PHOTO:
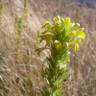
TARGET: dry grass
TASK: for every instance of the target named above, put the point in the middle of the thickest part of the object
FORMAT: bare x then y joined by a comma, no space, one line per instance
20,67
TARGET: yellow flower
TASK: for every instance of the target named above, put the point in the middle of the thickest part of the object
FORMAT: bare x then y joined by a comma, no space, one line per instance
58,45
72,34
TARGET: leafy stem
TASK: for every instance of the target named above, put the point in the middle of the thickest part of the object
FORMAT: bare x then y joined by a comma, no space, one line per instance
59,36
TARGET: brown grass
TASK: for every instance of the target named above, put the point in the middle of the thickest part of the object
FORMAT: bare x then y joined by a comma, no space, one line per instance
20,67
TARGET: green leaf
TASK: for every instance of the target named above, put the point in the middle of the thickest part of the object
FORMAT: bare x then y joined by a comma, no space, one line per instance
67,24
73,34
47,37
47,24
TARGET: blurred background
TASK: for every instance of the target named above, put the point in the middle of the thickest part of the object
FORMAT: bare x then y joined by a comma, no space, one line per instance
20,67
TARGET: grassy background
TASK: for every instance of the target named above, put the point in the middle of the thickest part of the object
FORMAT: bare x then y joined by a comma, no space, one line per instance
20,67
